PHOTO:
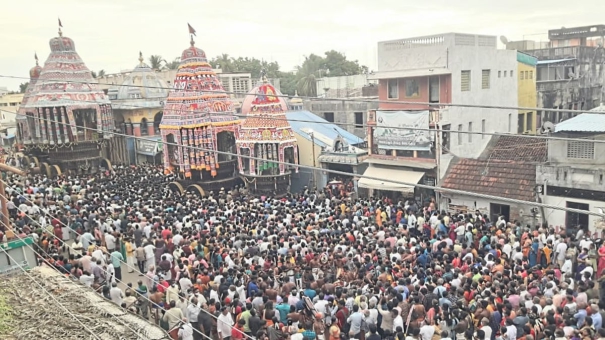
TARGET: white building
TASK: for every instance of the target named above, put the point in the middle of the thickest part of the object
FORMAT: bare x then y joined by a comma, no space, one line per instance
440,69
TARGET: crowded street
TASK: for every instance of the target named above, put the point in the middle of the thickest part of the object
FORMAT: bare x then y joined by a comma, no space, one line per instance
310,265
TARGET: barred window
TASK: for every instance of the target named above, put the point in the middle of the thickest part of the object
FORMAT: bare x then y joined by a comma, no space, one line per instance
580,150
465,81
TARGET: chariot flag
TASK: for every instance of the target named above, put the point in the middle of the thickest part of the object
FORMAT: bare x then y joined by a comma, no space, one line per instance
191,30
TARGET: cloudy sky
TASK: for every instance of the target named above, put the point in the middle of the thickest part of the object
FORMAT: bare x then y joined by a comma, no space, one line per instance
109,34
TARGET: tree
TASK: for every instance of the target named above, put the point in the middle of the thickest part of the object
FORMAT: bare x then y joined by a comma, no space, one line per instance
101,73
173,65
288,83
93,74
338,65
224,62
23,87
155,61
307,75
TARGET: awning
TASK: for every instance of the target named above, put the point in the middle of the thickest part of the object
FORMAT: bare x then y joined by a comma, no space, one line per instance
398,175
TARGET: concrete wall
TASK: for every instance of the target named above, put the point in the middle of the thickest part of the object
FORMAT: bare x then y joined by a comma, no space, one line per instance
557,151
342,87
502,92
483,205
556,218
527,96
344,112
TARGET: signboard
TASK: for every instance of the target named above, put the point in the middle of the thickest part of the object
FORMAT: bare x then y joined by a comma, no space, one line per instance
394,130
13,269
147,147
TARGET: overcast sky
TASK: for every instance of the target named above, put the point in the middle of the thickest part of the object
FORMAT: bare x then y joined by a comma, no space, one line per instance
109,34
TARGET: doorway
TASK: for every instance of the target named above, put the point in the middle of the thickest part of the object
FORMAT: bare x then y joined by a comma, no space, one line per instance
574,220
434,89
497,210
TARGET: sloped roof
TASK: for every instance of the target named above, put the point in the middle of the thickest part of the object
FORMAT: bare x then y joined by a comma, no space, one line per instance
519,148
299,120
508,169
508,179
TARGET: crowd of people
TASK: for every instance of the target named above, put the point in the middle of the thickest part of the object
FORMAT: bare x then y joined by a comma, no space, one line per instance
310,265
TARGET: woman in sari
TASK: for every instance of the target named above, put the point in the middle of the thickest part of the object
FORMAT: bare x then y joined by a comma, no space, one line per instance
601,260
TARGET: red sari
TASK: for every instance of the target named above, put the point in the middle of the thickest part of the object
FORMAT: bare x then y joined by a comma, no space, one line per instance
601,262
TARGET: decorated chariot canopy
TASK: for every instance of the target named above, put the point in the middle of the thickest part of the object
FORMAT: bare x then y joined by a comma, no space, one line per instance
197,98
266,119
34,74
64,85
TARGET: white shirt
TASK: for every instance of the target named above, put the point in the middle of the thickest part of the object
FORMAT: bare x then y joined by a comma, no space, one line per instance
149,251
186,332
223,325
561,250
87,279
110,241
116,295
427,331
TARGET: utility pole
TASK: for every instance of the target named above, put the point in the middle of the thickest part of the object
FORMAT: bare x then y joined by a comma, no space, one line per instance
3,200
313,155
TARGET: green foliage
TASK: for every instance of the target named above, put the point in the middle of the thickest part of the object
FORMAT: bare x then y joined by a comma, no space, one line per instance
174,64
23,87
155,62
304,80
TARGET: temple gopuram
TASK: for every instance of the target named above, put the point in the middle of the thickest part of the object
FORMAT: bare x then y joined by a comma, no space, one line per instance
68,119
199,119
266,134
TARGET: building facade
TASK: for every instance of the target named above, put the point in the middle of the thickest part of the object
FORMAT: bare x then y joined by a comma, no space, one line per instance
570,72
439,69
350,114
527,120
574,174
138,104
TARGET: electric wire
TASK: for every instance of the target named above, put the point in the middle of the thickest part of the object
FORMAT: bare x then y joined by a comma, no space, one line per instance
354,100
42,257
343,173
366,125
49,293
71,247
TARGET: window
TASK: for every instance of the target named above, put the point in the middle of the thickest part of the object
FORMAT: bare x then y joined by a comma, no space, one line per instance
465,81
470,130
531,74
499,74
434,89
521,75
526,74
511,73
510,121
143,127
529,121
485,75
329,116
482,128
412,89
393,89
520,123
580,150
359,120
459,134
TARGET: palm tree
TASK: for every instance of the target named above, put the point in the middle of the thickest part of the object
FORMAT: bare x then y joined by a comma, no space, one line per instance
155,61
93,74
307,86
23,87
101,73
173,65
225,63
307,80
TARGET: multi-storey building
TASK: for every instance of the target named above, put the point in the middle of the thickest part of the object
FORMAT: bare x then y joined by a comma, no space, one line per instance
570,73
439,70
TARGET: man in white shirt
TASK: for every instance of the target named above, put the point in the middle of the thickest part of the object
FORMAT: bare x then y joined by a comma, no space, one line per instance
224,324
116,294
560,253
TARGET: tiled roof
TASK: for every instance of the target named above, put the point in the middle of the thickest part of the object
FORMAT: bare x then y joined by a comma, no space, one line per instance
507,179
518,148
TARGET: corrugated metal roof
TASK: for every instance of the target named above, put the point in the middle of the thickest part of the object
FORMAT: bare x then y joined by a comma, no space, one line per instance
322,127
585,122
544,62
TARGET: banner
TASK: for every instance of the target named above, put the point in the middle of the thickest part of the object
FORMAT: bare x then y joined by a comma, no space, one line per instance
394,130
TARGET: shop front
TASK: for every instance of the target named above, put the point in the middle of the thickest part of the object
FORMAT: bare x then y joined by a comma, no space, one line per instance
380,186
149,151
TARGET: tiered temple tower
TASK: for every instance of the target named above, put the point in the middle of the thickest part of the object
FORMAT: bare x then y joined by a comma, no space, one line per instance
68,119
265,133
199,119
